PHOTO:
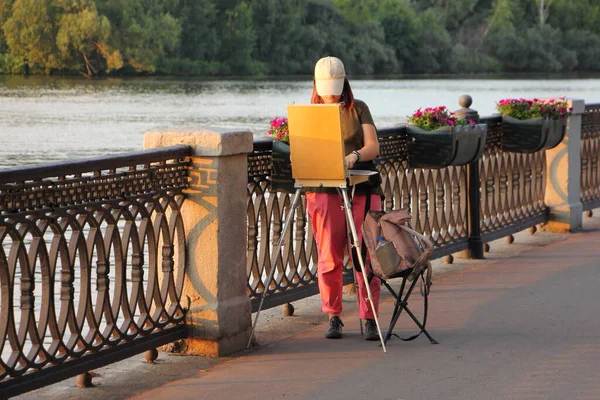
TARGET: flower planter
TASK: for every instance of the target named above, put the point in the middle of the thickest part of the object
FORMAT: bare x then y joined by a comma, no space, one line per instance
281,170
445,146
531,135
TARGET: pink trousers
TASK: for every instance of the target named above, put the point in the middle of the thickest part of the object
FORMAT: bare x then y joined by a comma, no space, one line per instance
328,220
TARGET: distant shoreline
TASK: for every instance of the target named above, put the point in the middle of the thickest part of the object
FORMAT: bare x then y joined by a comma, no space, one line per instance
308,77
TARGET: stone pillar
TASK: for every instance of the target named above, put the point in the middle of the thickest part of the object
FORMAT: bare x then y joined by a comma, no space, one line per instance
215,219
563,178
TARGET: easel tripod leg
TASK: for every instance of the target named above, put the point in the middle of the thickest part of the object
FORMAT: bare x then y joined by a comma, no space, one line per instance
356,288
274,259
350,219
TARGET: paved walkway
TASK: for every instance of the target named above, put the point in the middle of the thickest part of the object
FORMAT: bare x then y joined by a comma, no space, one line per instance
520,327
525,327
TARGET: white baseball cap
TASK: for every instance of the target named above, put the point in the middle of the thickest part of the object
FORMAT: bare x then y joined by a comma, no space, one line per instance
329,76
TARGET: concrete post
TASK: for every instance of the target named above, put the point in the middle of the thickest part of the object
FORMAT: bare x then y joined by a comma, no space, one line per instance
215,219
563,178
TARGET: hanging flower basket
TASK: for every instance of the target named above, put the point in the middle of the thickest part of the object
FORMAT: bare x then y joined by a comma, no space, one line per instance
438,138
281,169
531,135
530,125
445,146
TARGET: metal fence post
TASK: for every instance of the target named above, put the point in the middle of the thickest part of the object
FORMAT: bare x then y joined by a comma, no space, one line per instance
475,250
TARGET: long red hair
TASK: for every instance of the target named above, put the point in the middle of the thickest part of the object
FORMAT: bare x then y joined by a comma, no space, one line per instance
347,97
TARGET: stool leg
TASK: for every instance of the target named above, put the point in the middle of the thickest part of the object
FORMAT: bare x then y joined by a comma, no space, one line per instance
431,339
402,304
395,316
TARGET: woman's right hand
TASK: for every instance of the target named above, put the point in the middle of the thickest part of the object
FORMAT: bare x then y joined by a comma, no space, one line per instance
351,159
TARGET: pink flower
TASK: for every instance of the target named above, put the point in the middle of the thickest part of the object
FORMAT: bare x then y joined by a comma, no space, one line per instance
279,129
534,108
432,118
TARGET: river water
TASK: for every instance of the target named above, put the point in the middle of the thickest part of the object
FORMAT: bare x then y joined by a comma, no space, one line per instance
46,119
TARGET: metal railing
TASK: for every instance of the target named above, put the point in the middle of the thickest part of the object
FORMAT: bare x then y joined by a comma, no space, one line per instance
436,198
509,188
590,157
92,257
296,272
512,187
92,252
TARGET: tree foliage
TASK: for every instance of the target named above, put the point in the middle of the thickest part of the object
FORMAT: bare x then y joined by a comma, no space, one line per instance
82,38
286,37
30,34
238,41
143,30
5,11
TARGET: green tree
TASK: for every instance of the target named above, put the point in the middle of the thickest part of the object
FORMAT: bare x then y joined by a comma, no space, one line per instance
587,46
501,18
248,37
5,12
500,37
453,12
543,10
224,5
239,40
82,38
328,34
369,50
435,54
371,53
401,27
142,30
200,39
583,15
357,12
280,32
539,50
544,50
58,35
30,34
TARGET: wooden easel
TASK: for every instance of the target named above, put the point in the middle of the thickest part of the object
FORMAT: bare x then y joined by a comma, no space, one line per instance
317,154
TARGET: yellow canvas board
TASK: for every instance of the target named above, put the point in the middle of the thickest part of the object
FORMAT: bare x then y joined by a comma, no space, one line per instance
316,145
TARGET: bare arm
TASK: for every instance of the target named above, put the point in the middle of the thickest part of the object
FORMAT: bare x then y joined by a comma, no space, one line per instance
370,150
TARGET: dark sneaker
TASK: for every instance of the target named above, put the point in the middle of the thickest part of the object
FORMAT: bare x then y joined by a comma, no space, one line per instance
371,330
335,328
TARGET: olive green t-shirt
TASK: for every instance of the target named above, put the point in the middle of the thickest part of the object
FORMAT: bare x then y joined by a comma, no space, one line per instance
351,122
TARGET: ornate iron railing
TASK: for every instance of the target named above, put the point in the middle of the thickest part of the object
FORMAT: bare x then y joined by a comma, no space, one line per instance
266,214
512,185
92,257
510,191
436,198
590,155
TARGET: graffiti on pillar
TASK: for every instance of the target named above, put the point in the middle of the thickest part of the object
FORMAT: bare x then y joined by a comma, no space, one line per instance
203,177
